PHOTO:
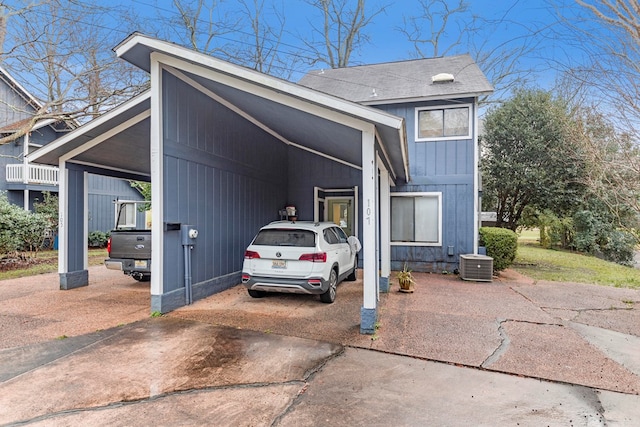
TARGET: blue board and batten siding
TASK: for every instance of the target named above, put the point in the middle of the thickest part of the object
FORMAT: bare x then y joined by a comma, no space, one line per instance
102,192
308,170
445,167
13,107
224,176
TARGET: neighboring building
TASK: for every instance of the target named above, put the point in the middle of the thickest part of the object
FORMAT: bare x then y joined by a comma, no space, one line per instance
434,216
382,150
24,183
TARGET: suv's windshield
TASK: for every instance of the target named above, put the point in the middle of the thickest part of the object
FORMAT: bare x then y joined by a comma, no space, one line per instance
278,237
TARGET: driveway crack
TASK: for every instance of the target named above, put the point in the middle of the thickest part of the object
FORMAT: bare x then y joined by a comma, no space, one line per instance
502,347
307,380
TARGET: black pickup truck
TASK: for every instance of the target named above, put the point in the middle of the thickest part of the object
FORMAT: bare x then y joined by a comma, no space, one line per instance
129,249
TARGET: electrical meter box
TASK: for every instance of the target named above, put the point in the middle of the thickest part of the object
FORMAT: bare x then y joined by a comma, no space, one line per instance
188,235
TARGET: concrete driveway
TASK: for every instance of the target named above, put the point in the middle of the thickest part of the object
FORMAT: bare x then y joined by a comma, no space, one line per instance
510,352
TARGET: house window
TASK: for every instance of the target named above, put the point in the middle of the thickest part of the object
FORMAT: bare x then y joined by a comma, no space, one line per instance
127,216
443,123
416,219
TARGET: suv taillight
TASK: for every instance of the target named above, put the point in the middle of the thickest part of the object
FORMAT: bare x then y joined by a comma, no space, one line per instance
251,255
109,246
315,257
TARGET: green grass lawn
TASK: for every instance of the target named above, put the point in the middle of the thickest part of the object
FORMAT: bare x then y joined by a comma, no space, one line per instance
563,266
47,262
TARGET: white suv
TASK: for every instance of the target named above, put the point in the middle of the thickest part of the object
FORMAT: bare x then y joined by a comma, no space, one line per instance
300,257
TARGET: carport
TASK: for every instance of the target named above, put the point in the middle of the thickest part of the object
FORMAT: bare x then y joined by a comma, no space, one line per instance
225,149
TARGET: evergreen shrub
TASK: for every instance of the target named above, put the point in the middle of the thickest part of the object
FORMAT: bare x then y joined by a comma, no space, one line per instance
501,245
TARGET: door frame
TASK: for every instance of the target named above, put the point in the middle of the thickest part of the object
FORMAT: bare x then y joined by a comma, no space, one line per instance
351,199
322,195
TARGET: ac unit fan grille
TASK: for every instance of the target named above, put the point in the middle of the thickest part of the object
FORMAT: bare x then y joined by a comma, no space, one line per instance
477,268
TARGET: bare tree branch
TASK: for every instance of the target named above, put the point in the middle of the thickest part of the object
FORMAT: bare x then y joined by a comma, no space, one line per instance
441,27
427,30
202,25
342,32
62,53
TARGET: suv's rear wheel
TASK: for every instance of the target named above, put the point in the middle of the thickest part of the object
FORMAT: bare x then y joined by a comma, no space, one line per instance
330,296
256,294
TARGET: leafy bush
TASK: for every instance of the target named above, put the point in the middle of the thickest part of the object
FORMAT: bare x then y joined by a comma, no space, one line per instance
48,207
501,245
620,247
20,229
98,239
31,228
9,241
595,236
587,228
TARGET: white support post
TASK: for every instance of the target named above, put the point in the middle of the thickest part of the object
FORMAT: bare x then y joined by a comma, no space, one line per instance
368,314
476,176
157,213
63,239
25,171
385,229
86,220
316,210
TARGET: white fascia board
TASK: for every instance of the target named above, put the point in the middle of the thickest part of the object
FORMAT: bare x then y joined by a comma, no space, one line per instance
385,154
43,123
270,85
427,98
25,93
107,168
89,126
313,103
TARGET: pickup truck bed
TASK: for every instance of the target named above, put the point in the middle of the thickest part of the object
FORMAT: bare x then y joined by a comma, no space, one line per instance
130,252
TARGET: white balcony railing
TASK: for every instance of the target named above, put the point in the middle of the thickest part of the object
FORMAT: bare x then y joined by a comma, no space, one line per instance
36,174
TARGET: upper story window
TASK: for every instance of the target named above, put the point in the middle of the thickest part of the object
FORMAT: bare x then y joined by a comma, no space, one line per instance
437,123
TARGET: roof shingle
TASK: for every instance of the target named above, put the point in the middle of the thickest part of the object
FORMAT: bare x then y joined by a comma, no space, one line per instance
401,81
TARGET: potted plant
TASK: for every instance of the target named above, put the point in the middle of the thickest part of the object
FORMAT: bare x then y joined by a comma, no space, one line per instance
405,279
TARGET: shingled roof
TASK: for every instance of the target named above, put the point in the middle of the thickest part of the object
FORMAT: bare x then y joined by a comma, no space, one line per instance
403,81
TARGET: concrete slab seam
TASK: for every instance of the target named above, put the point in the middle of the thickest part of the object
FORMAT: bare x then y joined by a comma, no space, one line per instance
578,311
480,368
82,348
309,375
302,383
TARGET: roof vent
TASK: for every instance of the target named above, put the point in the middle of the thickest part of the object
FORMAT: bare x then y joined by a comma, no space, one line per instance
374,94
443,78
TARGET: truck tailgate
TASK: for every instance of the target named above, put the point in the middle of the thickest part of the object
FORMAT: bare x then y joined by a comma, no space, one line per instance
134,244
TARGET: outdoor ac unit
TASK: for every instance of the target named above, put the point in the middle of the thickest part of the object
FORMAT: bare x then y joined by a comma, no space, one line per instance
478,268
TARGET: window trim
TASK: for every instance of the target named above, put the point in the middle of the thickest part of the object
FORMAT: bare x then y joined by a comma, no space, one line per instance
437,194
442,138
129,222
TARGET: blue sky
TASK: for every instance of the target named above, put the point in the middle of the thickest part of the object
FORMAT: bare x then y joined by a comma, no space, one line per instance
506,21
502,25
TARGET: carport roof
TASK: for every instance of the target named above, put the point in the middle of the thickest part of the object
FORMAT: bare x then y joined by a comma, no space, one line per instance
118,139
